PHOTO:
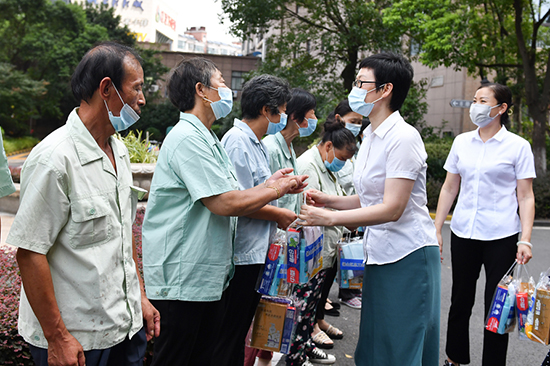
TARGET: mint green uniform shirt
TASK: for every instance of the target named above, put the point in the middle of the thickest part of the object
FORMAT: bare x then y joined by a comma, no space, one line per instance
6,184
188,250
280,156
78,211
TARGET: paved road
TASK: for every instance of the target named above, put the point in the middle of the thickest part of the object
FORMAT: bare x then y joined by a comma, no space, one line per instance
520,353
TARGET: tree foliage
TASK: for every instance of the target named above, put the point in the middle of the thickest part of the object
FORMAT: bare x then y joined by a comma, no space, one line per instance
317,44
44,41
19,95
505,38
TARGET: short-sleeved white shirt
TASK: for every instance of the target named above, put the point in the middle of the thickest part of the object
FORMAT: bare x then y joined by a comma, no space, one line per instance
487,203
394,150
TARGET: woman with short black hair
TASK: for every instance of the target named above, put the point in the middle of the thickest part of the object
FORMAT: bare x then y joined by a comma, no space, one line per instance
189,225
400,245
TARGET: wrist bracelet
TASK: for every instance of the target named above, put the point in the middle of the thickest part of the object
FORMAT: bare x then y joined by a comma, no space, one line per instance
276,190
525,243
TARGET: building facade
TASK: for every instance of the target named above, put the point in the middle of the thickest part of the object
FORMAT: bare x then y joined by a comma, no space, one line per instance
152,21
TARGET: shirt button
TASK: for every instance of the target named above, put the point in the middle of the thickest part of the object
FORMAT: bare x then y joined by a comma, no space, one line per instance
92,211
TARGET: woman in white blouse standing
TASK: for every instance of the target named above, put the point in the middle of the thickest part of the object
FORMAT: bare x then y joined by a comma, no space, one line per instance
493,169
401,286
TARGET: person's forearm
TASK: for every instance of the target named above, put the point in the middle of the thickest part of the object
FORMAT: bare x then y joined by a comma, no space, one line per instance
527,217
444,204
344,202
268,212
38,286
241,203
365,216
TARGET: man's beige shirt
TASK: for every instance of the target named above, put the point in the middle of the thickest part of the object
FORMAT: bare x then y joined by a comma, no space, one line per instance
78,211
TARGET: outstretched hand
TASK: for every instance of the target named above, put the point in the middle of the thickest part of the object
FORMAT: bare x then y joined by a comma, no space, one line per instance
287,183
316,198
314,216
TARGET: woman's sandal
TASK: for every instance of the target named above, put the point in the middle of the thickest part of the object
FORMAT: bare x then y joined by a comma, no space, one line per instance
334,332
331,310
322,340
334,304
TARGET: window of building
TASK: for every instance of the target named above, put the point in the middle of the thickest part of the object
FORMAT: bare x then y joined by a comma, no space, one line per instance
211,50
199,48
181,45
237,80
437,81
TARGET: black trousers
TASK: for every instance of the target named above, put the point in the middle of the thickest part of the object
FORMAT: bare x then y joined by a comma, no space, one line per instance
467,256
186,331
129,352
330,275
240,301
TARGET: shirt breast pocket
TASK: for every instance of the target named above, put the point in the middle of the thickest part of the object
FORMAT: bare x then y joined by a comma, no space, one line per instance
90,223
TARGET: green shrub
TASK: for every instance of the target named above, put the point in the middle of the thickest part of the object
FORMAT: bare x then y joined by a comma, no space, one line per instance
140,151
12,145
157,117
437,154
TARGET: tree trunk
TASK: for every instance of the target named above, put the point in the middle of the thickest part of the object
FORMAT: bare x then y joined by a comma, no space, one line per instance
536,101
540,121
349,72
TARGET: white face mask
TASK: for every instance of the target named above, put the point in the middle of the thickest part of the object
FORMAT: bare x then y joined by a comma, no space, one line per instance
480,114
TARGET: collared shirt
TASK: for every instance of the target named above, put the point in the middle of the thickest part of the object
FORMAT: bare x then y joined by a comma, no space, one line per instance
188,250
6,184
78,211
320,178
394,150
251,161
280,156
487,204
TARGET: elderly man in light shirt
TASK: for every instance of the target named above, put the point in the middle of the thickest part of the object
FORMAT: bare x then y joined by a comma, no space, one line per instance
82,301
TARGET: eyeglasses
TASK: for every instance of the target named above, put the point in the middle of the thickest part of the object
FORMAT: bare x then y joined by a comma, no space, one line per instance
359,83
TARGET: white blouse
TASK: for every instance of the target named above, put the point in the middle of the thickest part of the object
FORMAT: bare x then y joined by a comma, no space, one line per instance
394,150
487,203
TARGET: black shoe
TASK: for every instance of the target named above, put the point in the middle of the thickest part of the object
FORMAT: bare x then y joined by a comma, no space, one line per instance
332,312
447,363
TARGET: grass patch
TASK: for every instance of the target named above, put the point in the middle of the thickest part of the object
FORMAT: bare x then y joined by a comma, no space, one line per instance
12,145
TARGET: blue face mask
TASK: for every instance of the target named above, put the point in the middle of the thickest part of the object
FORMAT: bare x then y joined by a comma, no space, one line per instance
357,101
355,129
273,128
336,164
311,126
127,115
222,107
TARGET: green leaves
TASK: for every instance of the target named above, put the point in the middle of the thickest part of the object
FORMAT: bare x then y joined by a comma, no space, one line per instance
317,44
19,99
42,42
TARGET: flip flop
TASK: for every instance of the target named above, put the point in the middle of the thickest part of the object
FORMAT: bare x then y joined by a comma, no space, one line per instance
322,340
334,332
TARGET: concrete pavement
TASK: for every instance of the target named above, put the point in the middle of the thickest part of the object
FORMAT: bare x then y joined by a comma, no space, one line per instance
520,353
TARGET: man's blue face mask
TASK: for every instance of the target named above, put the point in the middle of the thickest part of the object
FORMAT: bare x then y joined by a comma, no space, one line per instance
127,115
